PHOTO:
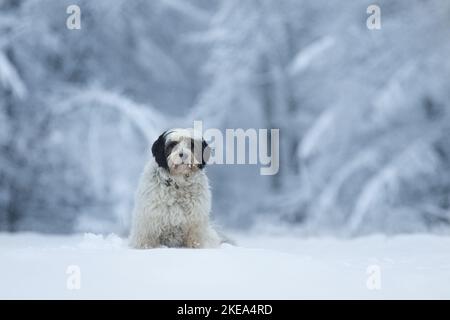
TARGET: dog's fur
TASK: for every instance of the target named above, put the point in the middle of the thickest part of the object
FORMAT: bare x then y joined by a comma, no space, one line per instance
173,200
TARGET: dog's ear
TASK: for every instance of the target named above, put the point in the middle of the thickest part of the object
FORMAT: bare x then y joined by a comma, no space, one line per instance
158,151
206,153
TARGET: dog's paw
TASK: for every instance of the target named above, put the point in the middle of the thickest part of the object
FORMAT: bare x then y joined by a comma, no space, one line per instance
193,244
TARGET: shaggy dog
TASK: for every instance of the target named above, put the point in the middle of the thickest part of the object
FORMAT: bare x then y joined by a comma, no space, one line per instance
173,200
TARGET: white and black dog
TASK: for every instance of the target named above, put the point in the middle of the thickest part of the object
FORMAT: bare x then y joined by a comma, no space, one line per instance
173,200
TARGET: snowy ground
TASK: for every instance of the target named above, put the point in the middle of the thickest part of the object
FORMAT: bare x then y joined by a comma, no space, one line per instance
262,267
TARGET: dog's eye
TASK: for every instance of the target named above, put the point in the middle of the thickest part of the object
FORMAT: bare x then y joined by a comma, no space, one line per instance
171,145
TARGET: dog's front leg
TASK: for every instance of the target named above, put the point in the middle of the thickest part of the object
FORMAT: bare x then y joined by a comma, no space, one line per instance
202,236
145,242
143,236
194,237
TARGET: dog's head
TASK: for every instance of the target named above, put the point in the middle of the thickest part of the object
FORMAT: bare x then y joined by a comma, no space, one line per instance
180,152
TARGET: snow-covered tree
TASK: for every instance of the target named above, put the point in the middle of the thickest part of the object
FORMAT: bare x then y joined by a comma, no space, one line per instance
375,157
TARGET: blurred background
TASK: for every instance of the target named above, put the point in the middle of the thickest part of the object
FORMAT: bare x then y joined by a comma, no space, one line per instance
364,115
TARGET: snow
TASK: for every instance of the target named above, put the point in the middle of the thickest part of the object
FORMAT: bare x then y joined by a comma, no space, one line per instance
318,130
9,78
261,267
305,57
188,9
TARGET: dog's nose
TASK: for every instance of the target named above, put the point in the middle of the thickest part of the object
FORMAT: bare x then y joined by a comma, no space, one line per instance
182,155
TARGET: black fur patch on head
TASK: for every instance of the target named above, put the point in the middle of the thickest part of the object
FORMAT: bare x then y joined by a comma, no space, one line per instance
158,151
206,152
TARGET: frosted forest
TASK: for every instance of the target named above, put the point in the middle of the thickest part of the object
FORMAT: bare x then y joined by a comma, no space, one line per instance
364,115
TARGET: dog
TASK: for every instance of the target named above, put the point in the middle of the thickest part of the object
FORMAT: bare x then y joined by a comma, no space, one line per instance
173,199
